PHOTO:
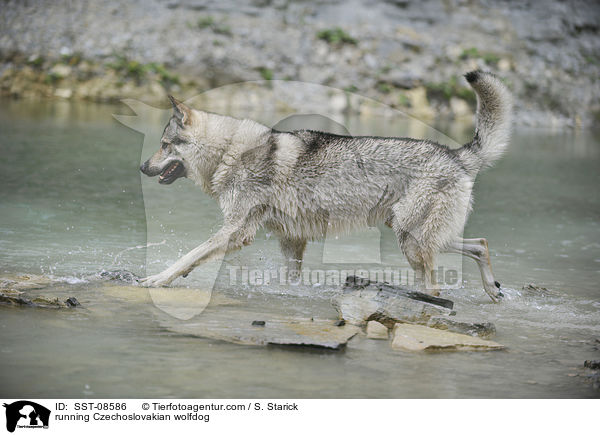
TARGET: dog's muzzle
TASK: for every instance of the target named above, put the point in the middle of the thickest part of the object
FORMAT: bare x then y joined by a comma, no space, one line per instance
171,172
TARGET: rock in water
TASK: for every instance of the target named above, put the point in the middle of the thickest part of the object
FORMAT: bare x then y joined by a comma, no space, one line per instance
180,302
17,298
119,275
235,325
24,281
364,300
376,330
417,338
592,364
483,329
536,290
72,302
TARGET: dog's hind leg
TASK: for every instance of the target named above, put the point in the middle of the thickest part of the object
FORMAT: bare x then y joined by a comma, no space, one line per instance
422,264
293,251
415,244
410,249
477,249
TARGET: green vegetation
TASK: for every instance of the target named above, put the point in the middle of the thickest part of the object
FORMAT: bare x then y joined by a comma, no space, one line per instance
403,100
138,71
449,89
470,53
265,73
71,59
384,88
208,22
336,36
167,78
52,78
491,58
351,88
36,61
385,69
473,53
129,68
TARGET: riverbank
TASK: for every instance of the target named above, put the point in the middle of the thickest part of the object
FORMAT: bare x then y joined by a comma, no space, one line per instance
410,56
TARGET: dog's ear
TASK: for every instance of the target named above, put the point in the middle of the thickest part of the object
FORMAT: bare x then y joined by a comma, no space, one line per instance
182,112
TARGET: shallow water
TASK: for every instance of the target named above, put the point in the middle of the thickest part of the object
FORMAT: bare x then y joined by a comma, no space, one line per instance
72,205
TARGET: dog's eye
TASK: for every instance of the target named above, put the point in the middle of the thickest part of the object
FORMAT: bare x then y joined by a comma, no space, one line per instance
164,145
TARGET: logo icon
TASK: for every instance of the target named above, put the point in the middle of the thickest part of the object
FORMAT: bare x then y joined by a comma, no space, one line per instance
26,414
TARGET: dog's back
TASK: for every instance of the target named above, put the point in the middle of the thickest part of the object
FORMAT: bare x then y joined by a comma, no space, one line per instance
343,182
353,181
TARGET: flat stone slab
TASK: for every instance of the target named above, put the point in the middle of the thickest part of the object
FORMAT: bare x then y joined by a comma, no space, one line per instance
218,317
247,328
418,338
363,301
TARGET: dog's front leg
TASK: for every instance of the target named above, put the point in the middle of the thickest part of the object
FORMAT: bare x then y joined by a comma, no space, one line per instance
226,240
209,249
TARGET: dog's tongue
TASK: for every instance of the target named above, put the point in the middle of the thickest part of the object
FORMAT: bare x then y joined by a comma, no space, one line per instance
169,170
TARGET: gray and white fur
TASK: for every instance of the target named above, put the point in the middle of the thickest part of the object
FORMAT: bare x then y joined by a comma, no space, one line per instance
304,185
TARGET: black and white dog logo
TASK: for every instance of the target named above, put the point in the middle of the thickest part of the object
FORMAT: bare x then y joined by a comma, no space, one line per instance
26,414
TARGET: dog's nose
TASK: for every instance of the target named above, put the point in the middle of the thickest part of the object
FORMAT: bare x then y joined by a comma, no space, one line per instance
144,167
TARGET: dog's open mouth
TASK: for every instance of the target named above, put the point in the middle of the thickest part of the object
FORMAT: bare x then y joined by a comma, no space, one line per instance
172,172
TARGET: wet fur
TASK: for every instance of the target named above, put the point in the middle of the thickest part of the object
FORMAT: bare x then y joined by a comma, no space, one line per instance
304,185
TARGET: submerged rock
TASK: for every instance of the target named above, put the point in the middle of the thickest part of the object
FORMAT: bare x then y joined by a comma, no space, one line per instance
24,281
536,290
484,329
364,300
18,298
72,302
376,330
180,302
593,375
418,338
235,325
119,275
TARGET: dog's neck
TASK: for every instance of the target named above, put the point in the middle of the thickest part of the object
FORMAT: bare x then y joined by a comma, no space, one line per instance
222,137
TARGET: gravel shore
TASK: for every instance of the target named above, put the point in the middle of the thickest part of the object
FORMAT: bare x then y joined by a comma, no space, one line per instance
408,55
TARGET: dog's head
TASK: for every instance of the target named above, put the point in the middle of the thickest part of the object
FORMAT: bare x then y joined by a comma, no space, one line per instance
177,146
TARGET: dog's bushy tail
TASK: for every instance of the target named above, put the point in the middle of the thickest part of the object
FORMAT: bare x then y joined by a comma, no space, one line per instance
494,118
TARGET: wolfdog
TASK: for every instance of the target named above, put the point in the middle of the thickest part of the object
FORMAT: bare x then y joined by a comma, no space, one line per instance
304,185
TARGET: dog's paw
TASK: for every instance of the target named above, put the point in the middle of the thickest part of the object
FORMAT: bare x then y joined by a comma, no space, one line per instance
158,280
496,297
